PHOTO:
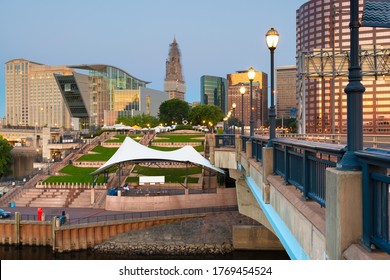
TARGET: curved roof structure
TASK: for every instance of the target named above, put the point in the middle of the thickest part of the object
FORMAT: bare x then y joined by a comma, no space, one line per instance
101,68
132,151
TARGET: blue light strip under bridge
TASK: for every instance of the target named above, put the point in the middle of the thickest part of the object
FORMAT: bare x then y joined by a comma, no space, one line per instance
290,244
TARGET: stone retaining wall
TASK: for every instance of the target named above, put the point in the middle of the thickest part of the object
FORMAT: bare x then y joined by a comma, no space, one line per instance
211,234
164,249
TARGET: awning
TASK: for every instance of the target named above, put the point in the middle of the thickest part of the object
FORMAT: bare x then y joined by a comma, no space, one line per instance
132,151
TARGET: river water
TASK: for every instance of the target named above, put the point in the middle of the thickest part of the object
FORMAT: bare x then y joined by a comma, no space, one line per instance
46,253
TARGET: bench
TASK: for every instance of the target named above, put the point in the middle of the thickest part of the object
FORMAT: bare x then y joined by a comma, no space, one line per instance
151,180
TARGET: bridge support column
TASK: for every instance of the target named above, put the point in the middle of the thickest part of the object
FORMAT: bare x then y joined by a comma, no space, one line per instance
268,169
211,142
238,148
255,238
343,211
248,156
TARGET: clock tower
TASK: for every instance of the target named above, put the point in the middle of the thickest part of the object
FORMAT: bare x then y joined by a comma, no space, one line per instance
174,83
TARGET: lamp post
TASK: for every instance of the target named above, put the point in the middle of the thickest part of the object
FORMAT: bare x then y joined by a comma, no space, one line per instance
242,91
234,105
272,38
251,77
354,91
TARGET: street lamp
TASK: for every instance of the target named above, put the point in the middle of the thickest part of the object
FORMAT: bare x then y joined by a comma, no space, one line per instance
251,77
354,91
234,105
242,91
272,38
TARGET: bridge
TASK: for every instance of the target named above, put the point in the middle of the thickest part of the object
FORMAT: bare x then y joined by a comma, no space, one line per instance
295,190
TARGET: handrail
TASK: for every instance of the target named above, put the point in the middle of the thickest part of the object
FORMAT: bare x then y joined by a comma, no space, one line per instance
303,164
225,140
376,188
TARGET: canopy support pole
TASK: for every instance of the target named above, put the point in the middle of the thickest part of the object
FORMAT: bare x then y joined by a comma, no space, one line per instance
119,175
187,175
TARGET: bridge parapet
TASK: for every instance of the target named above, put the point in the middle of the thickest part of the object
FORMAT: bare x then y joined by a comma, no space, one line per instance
306,199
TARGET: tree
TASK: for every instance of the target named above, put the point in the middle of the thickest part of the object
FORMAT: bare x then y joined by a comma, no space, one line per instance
208,115
5,157
142,120
173,111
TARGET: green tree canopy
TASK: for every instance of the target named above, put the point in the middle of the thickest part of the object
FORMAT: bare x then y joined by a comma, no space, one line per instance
208,115
142,120
5,157
173,111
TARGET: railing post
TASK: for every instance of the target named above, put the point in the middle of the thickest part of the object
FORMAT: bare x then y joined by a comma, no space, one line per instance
367,207
343,211
306,174
238,148
211,141
248,156
17,228
286,165
268,169
254,149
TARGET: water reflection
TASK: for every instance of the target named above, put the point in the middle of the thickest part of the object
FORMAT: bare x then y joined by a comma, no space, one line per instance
46,253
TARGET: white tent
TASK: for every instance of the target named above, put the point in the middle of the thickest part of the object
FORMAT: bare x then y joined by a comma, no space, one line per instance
132,151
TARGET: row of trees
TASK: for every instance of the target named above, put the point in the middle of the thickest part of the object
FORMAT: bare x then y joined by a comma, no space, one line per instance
176,111
5,157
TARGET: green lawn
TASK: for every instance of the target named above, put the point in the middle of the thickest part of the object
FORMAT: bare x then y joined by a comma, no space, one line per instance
119,138
172,175
74,174
167,137
167,149
103,154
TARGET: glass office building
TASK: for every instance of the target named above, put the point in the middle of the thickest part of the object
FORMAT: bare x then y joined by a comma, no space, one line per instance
115,79
322,30
214,91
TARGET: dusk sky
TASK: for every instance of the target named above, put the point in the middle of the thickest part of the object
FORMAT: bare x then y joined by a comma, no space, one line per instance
215,37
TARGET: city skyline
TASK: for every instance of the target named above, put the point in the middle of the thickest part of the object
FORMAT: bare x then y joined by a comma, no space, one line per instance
215,38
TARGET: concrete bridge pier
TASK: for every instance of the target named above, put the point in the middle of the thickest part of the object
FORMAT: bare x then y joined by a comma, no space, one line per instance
343,211
253,237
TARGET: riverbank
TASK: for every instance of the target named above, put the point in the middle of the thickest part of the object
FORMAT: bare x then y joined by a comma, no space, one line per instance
211,234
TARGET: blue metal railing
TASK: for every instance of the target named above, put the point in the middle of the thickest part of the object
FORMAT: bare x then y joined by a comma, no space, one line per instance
303,164
257,148
376,188
225,140
244,140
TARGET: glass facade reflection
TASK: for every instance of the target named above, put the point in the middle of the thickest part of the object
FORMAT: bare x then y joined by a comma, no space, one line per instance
214,91
115,79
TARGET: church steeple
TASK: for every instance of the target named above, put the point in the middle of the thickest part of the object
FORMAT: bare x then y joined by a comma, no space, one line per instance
174,83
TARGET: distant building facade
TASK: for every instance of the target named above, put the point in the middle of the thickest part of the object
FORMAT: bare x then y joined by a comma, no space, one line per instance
174,83
57,96
286,91
213,91
107,93
259,97
320,26
32,96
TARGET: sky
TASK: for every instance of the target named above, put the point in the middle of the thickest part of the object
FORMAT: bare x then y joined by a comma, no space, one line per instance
215,37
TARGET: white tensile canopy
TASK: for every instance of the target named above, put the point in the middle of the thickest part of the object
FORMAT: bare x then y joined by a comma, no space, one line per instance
132,151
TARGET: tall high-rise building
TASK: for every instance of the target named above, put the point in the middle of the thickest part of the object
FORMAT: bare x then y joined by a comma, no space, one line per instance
32,95
322,32
259,97
174,83
286,91
213,91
